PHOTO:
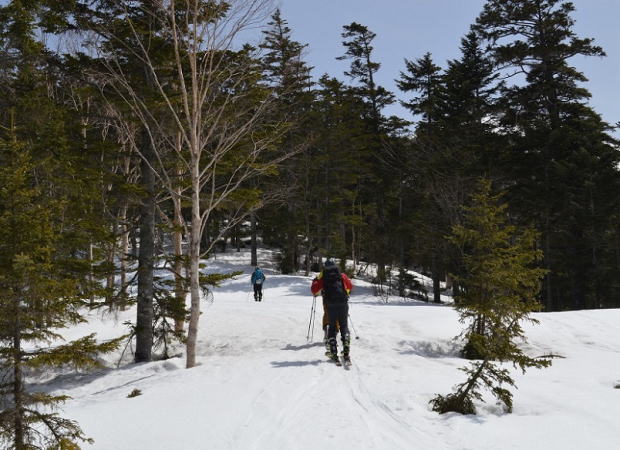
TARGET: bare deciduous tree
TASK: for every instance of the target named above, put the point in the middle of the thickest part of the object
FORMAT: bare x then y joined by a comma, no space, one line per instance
212,100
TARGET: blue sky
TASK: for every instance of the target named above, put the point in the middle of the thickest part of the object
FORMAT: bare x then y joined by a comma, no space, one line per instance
410,28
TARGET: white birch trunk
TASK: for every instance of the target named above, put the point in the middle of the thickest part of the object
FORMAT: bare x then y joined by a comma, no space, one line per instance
194,277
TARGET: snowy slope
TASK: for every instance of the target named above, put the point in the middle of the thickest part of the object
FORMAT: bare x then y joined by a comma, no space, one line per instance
261,385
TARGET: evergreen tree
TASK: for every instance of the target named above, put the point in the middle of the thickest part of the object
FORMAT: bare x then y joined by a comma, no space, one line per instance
42,289
289,76
339,170
469,87
500,285
358,42
46,276
284,67
547,117
359,51
424,77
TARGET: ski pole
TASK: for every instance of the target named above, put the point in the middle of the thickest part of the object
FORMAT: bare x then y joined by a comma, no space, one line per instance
313,319
353,328
310,321
310,324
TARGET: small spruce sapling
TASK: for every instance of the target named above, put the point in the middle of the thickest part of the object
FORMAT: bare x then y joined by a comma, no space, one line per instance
499,288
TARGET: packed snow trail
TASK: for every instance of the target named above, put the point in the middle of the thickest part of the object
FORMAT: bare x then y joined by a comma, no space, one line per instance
259,385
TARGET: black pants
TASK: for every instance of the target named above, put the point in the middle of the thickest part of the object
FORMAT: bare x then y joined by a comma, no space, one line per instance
338,314
258,292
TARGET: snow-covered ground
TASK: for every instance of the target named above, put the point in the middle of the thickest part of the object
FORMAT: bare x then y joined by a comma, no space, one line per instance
261,385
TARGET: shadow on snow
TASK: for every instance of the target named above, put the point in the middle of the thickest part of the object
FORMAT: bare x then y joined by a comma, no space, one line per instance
428,349
281,364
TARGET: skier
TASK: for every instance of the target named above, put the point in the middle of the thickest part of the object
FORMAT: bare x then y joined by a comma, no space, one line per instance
258,277
335,287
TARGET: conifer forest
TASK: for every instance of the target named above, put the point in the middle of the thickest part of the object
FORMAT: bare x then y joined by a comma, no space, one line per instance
139,138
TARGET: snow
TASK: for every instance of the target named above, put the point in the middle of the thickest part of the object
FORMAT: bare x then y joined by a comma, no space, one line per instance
260,384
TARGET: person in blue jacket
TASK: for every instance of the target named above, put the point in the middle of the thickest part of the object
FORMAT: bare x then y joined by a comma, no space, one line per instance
258,278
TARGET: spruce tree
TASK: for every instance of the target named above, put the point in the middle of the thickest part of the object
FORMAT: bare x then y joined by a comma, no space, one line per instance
424,77
546,116
42,289
358,42
339,169
286,72
499,289
48,188
359,50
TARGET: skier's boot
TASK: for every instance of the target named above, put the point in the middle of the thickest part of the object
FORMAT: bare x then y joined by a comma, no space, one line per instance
332,350
346,344
346,348
326,341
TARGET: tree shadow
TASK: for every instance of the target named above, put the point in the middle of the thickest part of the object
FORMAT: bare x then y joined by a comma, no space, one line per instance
303,347
75,379
427,349
282,364
396,301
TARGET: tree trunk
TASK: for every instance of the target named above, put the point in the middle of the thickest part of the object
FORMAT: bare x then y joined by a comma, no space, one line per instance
18,383
144,320
436,274
111,266
91,275
254,251
237,238
124,249
134,244
194,255
548,280
401,237
179,288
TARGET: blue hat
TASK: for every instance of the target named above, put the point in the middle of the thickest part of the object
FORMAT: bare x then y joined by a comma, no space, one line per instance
329,262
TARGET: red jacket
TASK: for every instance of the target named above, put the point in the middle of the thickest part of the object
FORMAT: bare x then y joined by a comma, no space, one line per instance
317,284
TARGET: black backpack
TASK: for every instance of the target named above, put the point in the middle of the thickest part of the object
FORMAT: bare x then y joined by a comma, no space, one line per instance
333,287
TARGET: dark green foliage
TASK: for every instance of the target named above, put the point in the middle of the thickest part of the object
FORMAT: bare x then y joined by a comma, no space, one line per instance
373,160
422,76
481,375
283,65
562,163
358,42
338,166
42,288
286,72
454,145
499,286
134,393
49,215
